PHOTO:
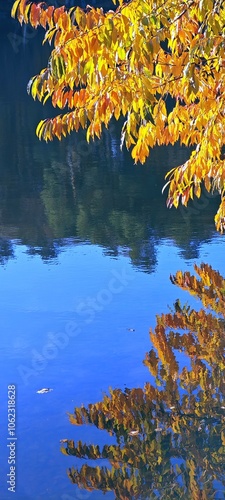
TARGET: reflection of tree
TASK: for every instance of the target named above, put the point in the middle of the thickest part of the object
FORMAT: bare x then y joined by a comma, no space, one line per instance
170,436
6,251
57,197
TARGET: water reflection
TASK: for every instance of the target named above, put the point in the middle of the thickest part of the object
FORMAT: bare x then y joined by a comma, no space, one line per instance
169,438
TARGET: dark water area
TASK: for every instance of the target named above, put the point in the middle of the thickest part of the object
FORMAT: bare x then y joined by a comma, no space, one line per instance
87,246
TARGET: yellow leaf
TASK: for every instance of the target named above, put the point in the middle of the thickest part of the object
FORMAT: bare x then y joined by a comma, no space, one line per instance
197,190
14,8
121,53
117,112
39,128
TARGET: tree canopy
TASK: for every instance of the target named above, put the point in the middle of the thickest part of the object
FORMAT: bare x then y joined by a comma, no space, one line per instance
157,65
170,436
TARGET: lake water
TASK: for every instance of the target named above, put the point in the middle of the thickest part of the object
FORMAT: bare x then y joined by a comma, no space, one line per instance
86,250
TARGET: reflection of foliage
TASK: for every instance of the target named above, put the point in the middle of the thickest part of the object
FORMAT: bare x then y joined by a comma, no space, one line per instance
170,438
6,250
57,197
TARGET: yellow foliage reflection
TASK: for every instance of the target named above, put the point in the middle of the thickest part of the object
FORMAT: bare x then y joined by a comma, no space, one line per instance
170,436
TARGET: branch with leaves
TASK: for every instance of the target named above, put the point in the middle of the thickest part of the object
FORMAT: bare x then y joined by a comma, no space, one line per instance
129,63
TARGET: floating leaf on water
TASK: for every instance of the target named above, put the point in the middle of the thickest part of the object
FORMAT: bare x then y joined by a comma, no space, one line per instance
44,390
133,433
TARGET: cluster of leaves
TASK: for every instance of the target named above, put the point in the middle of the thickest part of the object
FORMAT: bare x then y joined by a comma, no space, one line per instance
170,436
131,62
